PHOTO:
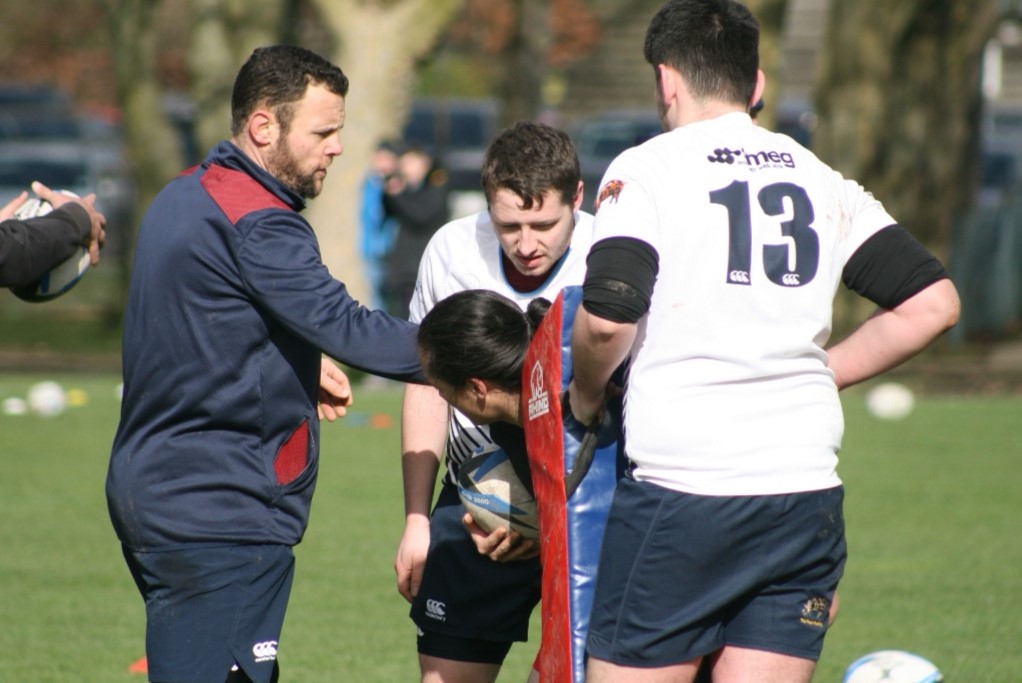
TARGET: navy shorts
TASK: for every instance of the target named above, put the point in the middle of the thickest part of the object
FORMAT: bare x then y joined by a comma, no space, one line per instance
467,602
682,575
210,608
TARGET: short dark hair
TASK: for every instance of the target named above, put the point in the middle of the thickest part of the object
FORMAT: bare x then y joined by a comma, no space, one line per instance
713,44
276,77
478,333
529,159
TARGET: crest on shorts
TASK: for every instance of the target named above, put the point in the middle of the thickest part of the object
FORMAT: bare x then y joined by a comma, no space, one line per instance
815,612
611,190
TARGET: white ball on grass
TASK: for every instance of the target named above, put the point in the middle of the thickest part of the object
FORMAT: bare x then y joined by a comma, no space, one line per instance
890,401
47,399
15,406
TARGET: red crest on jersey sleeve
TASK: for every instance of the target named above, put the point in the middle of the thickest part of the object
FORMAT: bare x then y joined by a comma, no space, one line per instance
611,190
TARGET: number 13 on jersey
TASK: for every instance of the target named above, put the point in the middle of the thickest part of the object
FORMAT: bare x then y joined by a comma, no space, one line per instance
791,264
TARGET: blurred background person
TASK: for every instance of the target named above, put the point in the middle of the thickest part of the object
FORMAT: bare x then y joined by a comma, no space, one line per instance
377,231
416,198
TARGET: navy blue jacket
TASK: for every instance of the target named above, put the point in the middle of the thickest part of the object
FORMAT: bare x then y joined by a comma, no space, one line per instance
229,308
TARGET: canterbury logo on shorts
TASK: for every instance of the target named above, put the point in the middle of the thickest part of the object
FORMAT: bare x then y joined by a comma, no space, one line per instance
265,651
436,610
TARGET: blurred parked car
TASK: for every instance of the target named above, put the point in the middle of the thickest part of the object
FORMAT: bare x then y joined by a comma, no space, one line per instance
73,165
36,111
600,138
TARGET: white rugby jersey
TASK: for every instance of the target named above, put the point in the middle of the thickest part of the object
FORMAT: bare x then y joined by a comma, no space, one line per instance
729,391
465,254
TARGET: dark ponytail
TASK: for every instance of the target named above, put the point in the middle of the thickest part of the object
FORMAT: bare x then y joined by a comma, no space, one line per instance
478,334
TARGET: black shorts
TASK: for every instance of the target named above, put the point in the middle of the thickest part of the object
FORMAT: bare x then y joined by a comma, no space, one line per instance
466,596
682,575
208,609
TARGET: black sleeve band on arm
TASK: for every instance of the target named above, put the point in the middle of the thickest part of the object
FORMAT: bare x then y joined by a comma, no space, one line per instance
620,275
891,267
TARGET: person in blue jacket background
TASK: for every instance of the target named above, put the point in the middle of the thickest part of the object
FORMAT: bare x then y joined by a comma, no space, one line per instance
377,230
229,312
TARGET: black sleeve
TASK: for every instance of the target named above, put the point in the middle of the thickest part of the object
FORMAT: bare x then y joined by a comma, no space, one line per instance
620,275
31,247
891,267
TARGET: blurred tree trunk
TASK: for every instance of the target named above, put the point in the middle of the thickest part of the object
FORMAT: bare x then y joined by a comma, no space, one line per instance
899,101
224,34
379,44
525,64
153,148
771,15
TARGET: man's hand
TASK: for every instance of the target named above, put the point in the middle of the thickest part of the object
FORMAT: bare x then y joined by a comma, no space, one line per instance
10,207
334,391
501,544
411,556
97,236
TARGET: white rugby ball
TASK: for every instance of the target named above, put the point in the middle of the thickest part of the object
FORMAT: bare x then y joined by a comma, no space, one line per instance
47,399
61,277
890,401
492,492
14,406
892,666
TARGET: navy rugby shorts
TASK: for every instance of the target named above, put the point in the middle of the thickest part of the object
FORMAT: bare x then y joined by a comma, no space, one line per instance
210,608
682,575
467,602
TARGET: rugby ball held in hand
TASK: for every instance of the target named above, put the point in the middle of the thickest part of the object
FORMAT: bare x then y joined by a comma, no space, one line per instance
892,666
61,277
495,496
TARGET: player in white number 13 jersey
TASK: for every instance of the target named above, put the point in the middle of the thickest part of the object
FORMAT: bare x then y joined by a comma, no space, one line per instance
718,249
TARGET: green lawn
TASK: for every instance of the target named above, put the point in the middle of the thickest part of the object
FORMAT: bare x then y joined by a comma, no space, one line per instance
935,551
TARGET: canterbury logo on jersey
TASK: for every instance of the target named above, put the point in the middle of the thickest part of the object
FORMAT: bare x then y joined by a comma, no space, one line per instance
265,651
754,160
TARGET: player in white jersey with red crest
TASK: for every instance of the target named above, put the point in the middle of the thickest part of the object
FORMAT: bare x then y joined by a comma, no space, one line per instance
718,252
531,242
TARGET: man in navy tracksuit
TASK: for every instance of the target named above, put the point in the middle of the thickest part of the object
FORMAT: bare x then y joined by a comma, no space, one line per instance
230,307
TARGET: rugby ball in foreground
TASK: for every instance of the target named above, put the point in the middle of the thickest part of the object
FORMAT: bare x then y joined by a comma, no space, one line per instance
494,495
892,666
890,401
61,277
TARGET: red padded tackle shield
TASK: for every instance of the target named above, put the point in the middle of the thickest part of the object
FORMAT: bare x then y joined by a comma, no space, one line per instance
571,522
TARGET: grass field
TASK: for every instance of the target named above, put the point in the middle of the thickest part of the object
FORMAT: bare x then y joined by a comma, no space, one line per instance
932,511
